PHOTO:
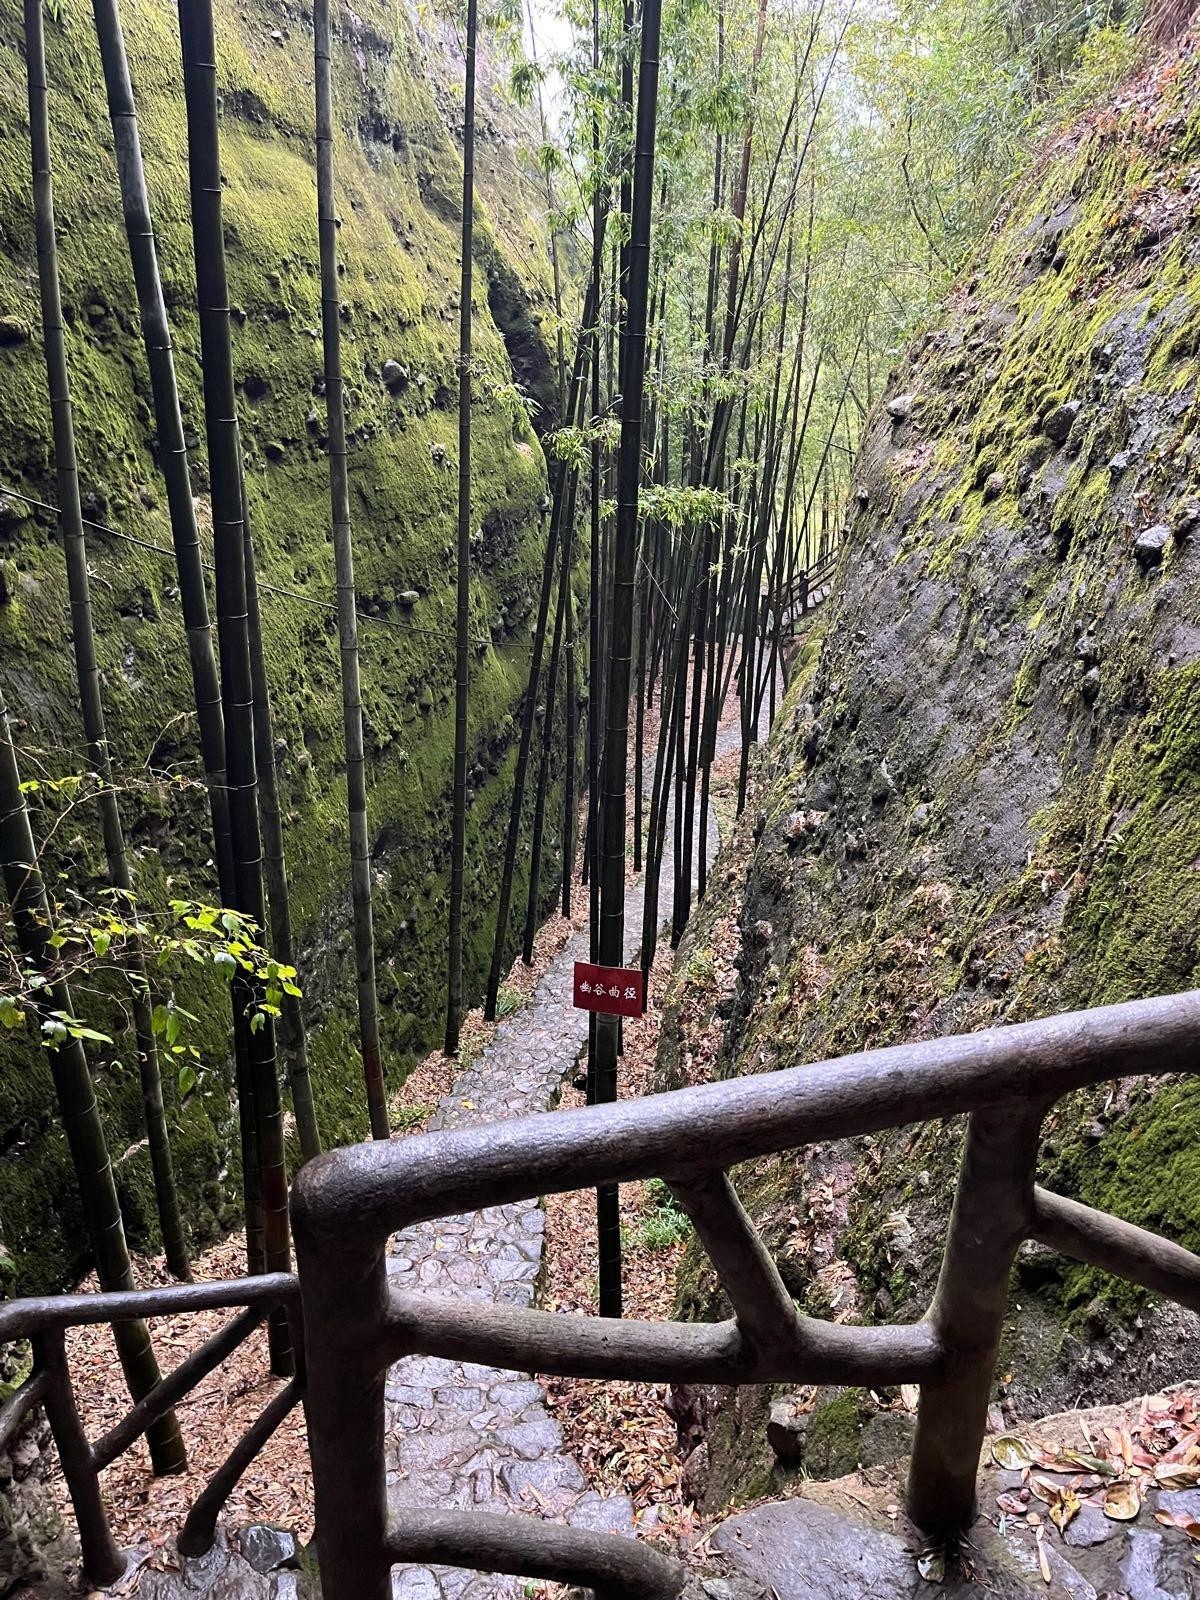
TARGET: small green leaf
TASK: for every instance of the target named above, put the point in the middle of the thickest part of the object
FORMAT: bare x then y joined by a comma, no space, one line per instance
78,1031
11,1014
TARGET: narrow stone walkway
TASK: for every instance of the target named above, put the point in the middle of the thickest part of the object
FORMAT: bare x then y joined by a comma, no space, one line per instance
465,1436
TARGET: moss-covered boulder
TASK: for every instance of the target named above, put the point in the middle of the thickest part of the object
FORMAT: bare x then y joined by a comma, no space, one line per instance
997,755
399,177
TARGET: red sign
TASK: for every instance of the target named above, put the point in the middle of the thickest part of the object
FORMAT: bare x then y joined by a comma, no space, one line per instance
619,991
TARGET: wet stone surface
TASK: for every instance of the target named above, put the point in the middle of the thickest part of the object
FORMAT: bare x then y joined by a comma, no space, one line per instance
473,1437
225,1573
804,1551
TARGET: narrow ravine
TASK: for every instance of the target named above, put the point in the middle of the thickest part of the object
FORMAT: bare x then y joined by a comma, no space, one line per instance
477,1437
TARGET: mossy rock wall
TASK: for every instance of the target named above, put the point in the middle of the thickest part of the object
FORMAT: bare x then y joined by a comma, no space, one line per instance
983,805
399,176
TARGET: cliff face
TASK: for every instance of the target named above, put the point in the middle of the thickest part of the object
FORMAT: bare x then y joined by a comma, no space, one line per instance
399,177
981,802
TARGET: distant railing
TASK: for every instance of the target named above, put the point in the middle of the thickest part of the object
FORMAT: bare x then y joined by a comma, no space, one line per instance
347,1203
811,587
44,1322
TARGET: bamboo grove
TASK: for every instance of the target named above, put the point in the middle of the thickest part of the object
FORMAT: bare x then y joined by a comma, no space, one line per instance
733,273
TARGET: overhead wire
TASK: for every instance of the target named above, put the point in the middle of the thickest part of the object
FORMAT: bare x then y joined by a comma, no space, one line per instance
269,588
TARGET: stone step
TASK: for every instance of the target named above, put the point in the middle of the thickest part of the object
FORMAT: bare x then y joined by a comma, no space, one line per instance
803,1550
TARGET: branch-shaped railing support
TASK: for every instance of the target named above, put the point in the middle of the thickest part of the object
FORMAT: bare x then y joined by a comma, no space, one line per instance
766,1313
200,1528
622,1569
1117,1247
45,1320
102,1560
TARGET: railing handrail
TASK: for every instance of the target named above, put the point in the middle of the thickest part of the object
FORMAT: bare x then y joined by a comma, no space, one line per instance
357,1322
812,576
347,1203
20,1319
45,1319
376,1189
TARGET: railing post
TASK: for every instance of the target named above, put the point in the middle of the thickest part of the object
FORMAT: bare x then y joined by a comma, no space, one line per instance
343,1289
993,1214
102,1560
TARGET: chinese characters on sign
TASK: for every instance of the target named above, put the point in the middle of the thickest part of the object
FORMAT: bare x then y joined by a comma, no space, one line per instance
620,991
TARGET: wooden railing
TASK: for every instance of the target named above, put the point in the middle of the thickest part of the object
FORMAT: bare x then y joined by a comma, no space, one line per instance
347,1203
810,588
349,1323
44,1322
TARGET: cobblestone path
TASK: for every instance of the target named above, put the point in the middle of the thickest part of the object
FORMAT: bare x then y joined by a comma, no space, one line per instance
465,1436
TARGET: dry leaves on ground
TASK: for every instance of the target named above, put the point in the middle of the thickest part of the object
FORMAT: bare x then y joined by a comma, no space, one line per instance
620,1433
1117,1471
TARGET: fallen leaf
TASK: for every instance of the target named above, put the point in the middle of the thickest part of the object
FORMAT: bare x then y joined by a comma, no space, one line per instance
1185,1448
1180,1520
1121,1444
1043,1559
1012,1453
1090,1463
1122,1502
931,1564
1177,1475
910,1393
1066,1509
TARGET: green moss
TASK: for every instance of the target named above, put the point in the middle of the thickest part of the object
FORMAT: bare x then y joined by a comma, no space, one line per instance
399,177
1144,1170
1131,923
833,1440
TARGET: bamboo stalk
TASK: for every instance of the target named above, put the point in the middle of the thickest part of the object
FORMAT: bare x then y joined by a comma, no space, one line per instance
539,809
295,1039
558,506
168,421
570,758
343,560
462,654
225,471
172,451
84,642
633,373
698,596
